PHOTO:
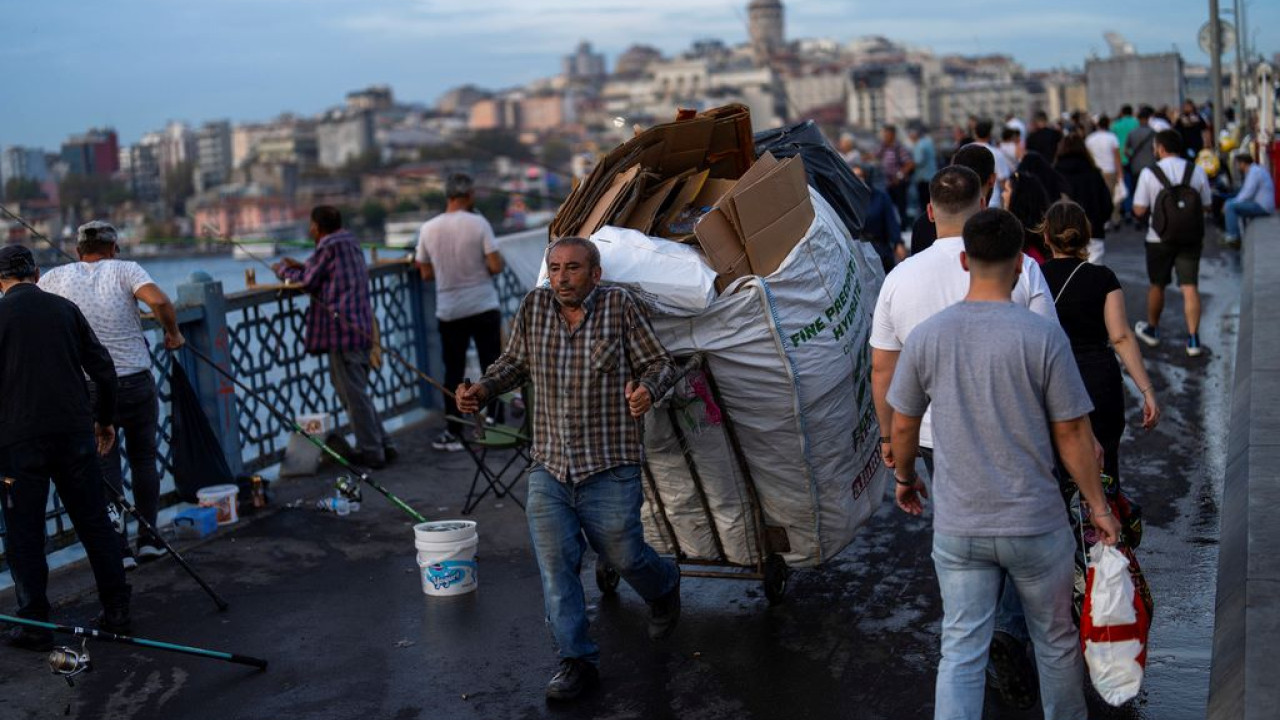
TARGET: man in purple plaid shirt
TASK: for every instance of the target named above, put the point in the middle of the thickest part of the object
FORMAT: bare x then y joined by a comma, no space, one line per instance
340,324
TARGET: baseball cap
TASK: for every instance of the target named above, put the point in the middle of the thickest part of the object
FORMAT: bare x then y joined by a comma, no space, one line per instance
96,231
16,261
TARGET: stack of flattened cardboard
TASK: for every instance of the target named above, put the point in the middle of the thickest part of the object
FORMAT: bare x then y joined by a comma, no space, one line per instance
694,181
646,182
757,222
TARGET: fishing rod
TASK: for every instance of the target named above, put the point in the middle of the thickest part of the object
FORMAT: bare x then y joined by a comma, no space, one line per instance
69,663
395,354
119,497
37,234
361,473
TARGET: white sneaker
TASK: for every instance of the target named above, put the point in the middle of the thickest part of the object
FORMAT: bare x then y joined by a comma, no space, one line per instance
129,563
1193,346
150,552
1147,333
446,442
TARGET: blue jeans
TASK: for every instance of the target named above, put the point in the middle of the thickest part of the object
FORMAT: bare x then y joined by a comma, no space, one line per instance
605,507
1236,209
970,570
1009,617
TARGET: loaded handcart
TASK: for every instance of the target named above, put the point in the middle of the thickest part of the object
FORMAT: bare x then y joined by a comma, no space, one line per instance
764,456
698,401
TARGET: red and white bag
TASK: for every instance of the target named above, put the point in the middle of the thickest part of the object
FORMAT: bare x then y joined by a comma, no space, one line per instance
1113,626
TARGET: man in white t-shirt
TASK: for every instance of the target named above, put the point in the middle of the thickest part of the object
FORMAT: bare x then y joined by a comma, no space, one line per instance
107,291
932,281
458,251
917,289
1163,257
1104,147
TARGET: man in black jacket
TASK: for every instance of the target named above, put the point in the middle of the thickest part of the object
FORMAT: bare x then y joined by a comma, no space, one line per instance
49,431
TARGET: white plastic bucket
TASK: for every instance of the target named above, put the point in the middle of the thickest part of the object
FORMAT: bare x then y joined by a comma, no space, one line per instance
223,499
446,556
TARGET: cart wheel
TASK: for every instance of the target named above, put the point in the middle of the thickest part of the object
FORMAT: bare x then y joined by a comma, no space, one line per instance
775,578
607,579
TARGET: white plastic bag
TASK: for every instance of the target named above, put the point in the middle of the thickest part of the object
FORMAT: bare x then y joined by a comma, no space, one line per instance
1113,626
1120,193
671,277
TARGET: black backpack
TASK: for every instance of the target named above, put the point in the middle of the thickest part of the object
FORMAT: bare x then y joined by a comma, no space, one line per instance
1178,217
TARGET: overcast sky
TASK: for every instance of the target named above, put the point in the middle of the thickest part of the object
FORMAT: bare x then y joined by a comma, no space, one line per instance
66,65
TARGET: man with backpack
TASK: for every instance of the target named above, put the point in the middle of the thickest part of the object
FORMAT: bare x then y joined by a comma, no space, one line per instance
1177,194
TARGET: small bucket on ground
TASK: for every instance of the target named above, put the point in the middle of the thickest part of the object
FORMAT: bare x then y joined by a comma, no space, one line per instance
446,556
223,499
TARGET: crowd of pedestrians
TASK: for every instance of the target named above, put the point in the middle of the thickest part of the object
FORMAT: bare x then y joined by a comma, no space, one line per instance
999,297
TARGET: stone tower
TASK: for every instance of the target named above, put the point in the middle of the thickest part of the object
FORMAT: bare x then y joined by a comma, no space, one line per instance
765,18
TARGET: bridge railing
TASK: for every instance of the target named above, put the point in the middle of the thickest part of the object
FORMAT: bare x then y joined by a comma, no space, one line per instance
257,336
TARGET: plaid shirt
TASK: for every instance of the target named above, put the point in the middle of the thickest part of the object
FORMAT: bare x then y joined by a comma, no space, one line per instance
893,158
337,276
581,423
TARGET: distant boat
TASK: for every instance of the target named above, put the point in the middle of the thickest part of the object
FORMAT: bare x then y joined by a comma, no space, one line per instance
258,250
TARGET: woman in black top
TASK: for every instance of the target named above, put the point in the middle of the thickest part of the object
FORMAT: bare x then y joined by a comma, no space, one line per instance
1088,188
1090,306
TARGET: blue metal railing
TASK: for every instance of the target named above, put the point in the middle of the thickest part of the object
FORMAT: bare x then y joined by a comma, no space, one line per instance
257,336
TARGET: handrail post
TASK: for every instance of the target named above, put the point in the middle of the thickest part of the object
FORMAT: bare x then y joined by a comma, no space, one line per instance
426,336
210,336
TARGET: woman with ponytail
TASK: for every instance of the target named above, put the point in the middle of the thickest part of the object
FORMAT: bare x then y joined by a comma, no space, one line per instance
1090,306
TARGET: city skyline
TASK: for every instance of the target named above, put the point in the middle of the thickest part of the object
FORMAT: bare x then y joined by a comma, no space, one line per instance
139,66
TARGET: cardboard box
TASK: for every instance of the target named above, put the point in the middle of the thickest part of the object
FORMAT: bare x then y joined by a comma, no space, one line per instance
645,214
758,221
724,250
684,215
621,189
773,215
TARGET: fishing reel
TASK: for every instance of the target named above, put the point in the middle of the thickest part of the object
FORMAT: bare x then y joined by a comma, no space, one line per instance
349,488
69,662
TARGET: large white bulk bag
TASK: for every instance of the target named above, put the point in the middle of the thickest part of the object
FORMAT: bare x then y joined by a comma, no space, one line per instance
789,355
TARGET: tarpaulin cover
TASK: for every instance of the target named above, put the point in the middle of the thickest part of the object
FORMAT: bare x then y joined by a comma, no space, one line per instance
197,456
789,356
827,171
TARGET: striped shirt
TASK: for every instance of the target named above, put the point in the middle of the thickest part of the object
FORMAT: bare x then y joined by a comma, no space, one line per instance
337,276
581,422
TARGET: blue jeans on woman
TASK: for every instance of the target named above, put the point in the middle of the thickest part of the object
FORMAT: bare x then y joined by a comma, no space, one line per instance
605,508
970,570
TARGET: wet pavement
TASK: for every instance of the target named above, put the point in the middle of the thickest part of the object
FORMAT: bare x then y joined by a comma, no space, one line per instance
335,603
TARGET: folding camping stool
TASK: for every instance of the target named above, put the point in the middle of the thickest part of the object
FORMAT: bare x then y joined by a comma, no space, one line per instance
499,437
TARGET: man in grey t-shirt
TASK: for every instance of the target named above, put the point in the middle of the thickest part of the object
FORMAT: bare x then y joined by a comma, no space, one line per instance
1004,391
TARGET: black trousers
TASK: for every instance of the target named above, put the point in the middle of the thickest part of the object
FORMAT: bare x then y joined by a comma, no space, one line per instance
485,329
898,193
71,461
136,418
1102,380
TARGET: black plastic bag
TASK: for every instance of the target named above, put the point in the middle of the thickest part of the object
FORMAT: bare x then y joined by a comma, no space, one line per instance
197,455
827,171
